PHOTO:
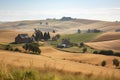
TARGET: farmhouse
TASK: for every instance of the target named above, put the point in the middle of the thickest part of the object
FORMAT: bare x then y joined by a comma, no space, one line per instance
23,38
65,43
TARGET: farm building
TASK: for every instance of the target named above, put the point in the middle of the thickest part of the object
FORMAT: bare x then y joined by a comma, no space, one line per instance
23,38
65,44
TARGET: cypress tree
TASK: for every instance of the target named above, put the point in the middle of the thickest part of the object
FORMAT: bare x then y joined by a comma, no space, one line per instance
48,35
45,36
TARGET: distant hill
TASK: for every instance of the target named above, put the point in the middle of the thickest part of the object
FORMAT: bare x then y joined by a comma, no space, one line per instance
65,25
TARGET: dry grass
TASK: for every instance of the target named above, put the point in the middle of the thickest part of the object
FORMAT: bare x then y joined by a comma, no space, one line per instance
61,60
7,36
10,72
108,37
106,45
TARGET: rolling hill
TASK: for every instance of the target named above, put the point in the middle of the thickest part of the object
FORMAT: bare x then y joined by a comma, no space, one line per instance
69,26
106,45
106,41
107,37
53,58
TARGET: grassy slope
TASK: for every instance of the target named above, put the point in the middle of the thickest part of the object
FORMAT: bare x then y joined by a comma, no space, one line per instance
77,38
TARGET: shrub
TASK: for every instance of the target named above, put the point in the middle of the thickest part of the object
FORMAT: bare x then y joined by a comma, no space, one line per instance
81,44
117,54
84,50
106,52
95,52
8,47
16,49
103,63
116,62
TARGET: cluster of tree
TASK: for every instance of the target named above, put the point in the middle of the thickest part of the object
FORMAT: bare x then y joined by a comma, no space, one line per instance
38,35
107,52
93,31
32,47
66,19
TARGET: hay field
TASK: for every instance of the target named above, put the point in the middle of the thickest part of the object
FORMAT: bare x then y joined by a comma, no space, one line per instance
60,60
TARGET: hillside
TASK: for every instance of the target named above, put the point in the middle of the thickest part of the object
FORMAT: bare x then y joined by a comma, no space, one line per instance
8,36
106,41
61,60
107,36
106,45
69,26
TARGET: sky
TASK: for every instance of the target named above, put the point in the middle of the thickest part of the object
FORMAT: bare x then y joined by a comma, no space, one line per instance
15,10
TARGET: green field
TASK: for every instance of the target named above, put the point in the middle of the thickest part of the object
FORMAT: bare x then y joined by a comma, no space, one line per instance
77,38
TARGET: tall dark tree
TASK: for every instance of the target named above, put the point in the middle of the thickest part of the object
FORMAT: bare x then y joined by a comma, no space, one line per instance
45,36
79,31
48,35
38,35
42,37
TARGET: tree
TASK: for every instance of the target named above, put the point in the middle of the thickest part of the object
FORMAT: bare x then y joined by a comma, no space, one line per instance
57,36
45,36
103,63
38,35
46,23
42,37
116,62
48,35
84,50
88,31
25,47
81,44
79,31
40,23
53,31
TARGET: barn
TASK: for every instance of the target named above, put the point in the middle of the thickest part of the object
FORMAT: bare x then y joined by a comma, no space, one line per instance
23,38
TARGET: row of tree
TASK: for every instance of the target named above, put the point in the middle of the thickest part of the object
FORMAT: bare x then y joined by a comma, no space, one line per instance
107,52
90,31
38,35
